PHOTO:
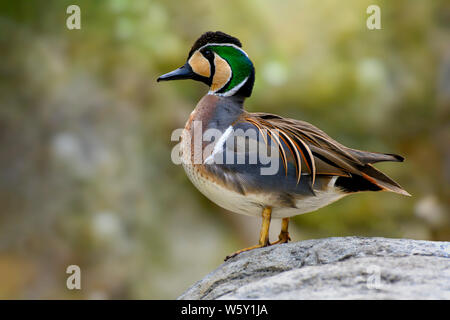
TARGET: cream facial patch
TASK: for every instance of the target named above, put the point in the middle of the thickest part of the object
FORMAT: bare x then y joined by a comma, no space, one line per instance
200,64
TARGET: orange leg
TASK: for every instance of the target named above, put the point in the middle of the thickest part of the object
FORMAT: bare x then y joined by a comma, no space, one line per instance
264,234
284,234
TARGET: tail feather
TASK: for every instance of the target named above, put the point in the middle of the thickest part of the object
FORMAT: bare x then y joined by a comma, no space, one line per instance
367,157
369,179
381,180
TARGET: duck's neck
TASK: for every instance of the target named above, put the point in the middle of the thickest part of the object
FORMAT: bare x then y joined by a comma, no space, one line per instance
216,112
234,101
226,111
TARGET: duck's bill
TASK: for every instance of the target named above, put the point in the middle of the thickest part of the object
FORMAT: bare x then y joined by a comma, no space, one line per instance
184,72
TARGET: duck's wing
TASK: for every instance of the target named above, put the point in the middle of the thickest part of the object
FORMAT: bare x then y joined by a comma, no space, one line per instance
314,152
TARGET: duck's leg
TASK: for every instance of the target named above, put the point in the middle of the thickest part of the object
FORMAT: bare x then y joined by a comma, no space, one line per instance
263,236
284,234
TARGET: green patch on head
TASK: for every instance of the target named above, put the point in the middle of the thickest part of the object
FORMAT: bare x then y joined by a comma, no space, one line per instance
240,64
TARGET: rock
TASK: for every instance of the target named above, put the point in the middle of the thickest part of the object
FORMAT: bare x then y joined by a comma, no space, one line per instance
333,268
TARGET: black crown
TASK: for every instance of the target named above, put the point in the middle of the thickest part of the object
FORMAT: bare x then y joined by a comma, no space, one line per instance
214,37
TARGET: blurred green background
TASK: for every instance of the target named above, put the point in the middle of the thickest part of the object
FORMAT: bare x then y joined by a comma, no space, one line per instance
86,176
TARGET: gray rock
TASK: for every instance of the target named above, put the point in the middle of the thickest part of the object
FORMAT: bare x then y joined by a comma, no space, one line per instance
333,268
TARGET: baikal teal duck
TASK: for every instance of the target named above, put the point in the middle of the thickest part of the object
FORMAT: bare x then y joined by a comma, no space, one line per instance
311,171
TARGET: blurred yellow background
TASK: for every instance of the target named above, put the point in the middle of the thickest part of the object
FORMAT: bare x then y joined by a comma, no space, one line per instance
86,176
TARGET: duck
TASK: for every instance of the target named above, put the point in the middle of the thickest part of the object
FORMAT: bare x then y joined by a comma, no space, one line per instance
262,164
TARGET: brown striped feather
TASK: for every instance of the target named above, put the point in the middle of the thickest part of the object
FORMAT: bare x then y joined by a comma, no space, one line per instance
321,154
274,136
293,147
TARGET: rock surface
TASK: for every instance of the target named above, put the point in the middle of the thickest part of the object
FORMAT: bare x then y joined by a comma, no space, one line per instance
333,268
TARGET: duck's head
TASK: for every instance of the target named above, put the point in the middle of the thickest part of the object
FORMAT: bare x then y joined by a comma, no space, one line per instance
218,60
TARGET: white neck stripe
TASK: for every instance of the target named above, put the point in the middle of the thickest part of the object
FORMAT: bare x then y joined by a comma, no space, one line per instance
230,92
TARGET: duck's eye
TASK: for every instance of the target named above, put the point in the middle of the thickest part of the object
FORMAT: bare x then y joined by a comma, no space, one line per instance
207,53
